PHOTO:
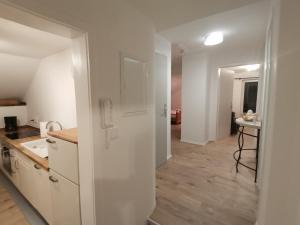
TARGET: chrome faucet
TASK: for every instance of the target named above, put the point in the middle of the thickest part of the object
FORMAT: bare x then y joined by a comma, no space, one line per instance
56,122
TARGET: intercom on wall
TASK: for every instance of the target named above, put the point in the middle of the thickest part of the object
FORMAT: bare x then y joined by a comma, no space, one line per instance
106,111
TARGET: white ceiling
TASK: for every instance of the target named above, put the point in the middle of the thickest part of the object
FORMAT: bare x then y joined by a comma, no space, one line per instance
170,13
16,73
242,72
242,26
21,50
21,40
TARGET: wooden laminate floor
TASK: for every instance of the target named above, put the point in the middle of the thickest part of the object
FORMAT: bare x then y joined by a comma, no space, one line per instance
10,214
199,185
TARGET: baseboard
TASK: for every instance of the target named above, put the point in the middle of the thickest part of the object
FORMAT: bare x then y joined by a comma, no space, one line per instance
169,157
193,142
152,222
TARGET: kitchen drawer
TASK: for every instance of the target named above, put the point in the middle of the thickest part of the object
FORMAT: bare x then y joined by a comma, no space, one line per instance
63,158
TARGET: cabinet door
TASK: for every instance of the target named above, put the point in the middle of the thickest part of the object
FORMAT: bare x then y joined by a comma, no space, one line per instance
15,176
27,182
63,158
65,200
42,198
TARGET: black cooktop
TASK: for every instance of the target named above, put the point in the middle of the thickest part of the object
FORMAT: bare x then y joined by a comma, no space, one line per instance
22,134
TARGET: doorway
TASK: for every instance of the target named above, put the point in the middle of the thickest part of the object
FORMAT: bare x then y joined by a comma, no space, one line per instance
238,94
176,91
200,181
80,65
161,121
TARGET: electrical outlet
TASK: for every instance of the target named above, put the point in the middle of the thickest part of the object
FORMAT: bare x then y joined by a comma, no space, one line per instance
36,120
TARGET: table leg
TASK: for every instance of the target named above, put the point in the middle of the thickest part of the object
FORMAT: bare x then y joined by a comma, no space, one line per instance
241,145
257,154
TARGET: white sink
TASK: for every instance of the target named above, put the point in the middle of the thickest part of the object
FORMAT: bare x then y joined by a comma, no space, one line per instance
38,147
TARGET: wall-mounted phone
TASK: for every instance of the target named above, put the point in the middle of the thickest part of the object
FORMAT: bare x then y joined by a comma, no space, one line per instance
106,116
106,111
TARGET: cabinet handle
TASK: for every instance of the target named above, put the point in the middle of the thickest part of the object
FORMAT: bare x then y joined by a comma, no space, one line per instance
37,166
54,180
50,141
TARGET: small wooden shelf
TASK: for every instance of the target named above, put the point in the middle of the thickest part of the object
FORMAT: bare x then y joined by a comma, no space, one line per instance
11,102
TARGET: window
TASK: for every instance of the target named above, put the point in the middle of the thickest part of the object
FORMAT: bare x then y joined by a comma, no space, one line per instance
250,96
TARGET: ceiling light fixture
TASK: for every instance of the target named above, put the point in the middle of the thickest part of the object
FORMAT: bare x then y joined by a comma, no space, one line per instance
214,38
250,68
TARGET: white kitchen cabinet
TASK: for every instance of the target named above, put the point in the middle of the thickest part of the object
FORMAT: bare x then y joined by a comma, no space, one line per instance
63,158
65,200
27,183
33,183
54,194
42,198
15,176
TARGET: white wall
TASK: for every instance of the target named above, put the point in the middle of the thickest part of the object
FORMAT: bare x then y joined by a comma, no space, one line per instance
225,103
280,197
19,111
51,93
163,46
16,73
194,95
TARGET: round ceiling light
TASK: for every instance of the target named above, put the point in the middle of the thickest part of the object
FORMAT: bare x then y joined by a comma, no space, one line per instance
214,38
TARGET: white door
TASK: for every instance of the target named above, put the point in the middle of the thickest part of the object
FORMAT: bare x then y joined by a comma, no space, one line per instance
161,76
65,200
225,104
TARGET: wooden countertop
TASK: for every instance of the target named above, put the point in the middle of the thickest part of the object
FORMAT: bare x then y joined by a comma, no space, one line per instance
16,144
69,135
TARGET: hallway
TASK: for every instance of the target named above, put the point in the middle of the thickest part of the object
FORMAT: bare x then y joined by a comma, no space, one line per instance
199,185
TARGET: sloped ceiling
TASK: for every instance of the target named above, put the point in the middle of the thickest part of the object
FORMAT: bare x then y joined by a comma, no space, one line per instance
16,73
21,40
170,13
21,50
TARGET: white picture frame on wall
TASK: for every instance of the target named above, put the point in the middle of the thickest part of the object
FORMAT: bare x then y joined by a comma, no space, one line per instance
134,79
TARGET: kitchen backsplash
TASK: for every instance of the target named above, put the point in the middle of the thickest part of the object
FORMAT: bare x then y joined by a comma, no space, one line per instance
19,111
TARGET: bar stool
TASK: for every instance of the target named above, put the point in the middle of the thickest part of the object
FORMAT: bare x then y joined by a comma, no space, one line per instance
238,153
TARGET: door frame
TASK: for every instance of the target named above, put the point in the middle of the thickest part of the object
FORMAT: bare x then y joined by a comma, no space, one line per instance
168,103
218,88
168,90
29,18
